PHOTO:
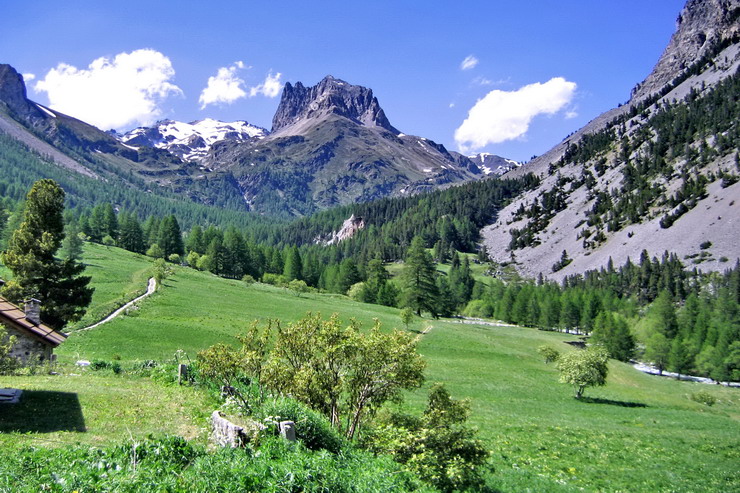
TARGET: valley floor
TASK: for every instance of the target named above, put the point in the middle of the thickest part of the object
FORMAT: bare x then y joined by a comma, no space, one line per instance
638,433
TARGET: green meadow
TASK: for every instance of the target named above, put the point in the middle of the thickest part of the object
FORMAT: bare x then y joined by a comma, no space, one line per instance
637,433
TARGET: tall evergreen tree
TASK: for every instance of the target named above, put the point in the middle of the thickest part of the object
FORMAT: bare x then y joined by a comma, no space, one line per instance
170,237
419,279
58,284
131,235
293,268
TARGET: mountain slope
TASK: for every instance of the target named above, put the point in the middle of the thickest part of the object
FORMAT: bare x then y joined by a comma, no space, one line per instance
331,144
658,173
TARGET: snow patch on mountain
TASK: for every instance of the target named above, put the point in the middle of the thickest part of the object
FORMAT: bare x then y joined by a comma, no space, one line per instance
493,164
191,141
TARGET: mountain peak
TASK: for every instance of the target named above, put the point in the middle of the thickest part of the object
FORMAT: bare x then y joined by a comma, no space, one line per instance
13,93
700,25
329,96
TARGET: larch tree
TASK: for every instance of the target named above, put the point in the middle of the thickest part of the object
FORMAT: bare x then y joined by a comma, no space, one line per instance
419,279
37,273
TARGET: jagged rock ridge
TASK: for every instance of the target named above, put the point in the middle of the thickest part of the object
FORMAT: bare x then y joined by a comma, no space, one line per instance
330,95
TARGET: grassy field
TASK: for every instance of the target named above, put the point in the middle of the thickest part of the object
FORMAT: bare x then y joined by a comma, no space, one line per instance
638,433
91,408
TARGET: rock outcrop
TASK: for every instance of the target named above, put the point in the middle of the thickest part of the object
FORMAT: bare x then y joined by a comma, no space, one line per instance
330,95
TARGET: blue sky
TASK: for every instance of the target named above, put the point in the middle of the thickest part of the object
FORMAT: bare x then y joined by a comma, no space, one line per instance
536,71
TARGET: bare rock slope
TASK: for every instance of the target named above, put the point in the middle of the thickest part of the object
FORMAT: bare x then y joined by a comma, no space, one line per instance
659,173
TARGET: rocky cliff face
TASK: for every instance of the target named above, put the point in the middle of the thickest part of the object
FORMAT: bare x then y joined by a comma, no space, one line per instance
700,25
300,103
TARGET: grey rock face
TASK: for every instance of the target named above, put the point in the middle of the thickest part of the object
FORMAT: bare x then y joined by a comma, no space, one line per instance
700,24
13,94
331,95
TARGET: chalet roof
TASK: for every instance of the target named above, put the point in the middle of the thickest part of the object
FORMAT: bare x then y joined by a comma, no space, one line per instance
16,317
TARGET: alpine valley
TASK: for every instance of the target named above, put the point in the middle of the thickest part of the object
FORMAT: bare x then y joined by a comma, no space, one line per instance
332,304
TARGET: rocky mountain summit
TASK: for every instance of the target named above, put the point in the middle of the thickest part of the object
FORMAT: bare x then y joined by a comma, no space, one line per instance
332,144
330,96
659,173
701,25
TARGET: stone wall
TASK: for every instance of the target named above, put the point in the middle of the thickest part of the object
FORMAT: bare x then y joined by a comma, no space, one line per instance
28,347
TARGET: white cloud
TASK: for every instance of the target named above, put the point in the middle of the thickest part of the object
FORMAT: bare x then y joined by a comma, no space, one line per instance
452,105
469,62
482,81
112,93
223,88
571,114
506,115
270,88
28,77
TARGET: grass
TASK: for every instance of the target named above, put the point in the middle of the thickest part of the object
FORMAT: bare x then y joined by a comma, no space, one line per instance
638,433
194,310
91,408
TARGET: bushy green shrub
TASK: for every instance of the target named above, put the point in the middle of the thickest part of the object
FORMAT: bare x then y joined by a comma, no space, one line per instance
704,397
312,428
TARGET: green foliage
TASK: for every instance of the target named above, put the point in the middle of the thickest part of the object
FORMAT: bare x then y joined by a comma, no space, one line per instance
613,333
155,251
562,263
703,397
338,371
312,428
438,446
407,316
7,362
37,273
170,463
161,271
420,290
298,286
582,369
548,353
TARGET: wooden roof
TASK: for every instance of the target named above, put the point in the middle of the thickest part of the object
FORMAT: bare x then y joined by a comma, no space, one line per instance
16,317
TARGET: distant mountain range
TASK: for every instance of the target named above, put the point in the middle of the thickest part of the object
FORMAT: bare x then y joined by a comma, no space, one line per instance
330,144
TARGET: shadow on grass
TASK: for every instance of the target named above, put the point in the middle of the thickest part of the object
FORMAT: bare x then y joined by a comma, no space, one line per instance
598,400
43,411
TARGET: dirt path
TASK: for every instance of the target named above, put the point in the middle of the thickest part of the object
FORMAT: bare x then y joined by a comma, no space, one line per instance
151,287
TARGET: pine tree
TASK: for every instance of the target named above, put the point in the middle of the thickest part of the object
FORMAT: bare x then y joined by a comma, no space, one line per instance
348,275
195,241
131,235
293,268
419,279
36,272
679,358
170,237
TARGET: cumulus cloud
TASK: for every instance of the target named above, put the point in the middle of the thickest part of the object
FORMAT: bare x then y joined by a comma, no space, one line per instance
28,77
270,88
117,93
223,88
506,115
469,62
